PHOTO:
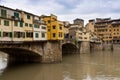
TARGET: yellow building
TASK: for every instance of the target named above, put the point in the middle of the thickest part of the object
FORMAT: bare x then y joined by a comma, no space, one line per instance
55,28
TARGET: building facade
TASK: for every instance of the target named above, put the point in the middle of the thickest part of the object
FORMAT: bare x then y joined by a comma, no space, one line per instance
90,26
75,32
55,28
108,30
18,25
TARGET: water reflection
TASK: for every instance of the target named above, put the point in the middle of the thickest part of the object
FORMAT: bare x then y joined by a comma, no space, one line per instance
97,65
3,62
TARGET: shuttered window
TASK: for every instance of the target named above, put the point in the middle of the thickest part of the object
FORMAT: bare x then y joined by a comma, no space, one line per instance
3,13
21,24
6,23
16,14
36,35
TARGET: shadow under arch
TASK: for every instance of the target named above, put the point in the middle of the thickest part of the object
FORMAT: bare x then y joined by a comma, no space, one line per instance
69,48
19,55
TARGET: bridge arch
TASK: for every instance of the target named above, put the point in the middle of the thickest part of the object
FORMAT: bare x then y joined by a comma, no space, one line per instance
69,48
21,55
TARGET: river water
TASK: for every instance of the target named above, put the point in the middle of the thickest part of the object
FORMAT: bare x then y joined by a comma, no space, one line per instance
97,65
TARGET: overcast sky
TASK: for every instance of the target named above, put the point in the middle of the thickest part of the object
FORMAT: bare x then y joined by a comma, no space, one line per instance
68,10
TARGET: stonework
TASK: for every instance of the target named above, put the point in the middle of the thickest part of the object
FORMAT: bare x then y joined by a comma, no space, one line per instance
45,52
52,52
85,47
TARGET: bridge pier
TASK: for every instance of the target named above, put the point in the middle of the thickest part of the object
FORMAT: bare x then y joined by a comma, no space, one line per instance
52,52
85,47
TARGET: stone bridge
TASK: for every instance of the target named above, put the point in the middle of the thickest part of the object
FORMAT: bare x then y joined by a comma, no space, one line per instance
42,51
45,51
73,46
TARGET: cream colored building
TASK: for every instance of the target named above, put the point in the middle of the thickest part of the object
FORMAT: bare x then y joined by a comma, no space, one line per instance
85,35
28,25
39,29
75,32
11,29
18,25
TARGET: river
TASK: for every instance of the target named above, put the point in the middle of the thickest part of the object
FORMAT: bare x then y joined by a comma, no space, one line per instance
97,65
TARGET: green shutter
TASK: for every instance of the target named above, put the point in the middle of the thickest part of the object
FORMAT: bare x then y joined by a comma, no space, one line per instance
16,14
21,24
10,34
3,13
6,23
36,35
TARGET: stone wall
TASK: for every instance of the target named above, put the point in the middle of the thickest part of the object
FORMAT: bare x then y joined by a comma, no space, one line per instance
85,47
52,52
116,46
96,46
101,46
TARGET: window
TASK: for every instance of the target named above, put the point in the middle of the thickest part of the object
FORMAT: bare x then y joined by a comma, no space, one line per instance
26,24
16,14
43,27
6,23
85,37
29,34
36,35
60,27
3,13
18,34
36,26
60,34
54,34
21,24
48,21
7,34
30,25
28,16
15,23
48,29
54,27
43,35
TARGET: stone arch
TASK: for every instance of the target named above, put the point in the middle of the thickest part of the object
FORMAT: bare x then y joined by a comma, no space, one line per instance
69,48
22,55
